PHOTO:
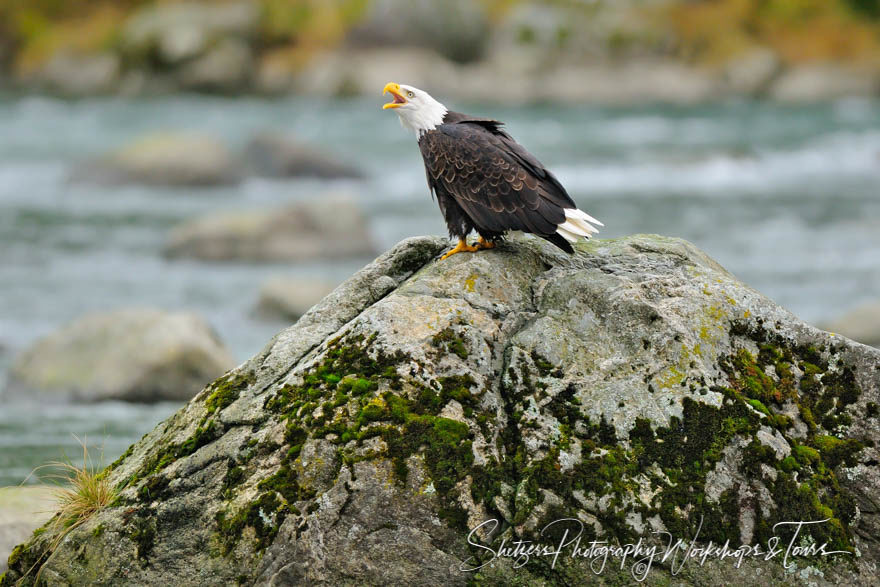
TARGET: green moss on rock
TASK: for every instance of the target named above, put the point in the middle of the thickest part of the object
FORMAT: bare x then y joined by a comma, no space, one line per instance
265,515
226,390
450,342
144,537
285,483
205,433
836,451
686,450
154,488
233,478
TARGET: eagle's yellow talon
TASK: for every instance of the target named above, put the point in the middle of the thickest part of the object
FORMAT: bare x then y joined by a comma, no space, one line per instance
462,246
484,244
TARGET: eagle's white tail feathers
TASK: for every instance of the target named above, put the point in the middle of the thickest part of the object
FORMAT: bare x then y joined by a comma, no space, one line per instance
570,237
580,215
578,224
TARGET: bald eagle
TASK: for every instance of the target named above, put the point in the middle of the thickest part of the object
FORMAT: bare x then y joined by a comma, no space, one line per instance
484,180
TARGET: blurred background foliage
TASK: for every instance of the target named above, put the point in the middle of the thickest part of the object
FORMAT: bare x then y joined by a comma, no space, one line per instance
799,30
702,31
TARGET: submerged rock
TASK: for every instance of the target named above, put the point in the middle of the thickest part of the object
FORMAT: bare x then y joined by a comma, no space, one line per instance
635,386
861,324
289,298
138,355
325,228
164,159
273,155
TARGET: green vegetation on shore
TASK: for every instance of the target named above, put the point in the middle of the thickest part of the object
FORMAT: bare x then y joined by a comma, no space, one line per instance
286,36
798,31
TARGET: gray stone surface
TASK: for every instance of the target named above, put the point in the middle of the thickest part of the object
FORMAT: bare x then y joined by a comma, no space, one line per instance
133,354
634,386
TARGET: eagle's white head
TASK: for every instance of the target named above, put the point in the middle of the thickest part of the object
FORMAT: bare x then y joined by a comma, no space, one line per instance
417,110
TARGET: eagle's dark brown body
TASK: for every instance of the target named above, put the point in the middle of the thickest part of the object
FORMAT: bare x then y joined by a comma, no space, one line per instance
487,182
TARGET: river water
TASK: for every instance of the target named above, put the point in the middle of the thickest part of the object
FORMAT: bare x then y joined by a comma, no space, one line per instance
785,197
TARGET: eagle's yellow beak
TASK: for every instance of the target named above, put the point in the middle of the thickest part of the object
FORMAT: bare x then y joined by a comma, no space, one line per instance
399,100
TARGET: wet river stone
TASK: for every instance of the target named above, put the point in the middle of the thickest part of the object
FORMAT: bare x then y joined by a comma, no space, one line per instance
634,387
143,355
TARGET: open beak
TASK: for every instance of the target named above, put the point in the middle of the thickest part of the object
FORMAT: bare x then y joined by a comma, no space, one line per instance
399,100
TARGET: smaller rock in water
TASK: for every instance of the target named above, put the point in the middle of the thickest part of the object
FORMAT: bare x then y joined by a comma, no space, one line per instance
290,297
273,155
163,159
22,510
328,228
139,355
861,324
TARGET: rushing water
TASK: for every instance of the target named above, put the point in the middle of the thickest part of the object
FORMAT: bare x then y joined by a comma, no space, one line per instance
786,197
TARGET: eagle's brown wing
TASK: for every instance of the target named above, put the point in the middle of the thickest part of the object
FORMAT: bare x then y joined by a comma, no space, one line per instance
498,184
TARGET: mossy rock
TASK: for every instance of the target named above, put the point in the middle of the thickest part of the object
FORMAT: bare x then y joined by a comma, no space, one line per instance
635,387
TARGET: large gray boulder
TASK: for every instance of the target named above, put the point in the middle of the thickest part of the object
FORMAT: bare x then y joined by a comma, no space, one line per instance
132,354
633,386
326,228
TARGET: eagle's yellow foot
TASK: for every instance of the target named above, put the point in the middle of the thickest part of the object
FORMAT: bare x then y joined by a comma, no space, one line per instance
484,244
462,246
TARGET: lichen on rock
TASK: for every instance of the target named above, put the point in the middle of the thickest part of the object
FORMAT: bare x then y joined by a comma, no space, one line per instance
635,386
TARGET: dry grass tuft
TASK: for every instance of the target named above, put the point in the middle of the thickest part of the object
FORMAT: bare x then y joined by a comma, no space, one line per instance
86,492
80,493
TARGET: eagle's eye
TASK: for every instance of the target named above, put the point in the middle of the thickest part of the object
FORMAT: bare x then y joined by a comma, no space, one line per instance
410,94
